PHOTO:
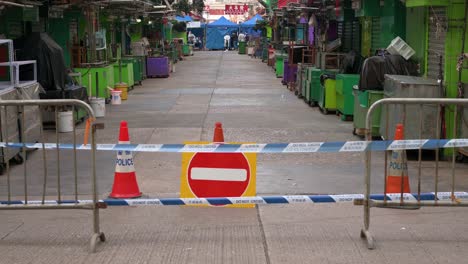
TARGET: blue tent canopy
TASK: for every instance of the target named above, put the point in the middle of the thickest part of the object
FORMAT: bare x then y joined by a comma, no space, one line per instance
216,31
183,19
222,22
251,22
247,26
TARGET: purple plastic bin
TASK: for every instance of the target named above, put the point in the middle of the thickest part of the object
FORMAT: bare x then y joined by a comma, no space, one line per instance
285,72
157,67
292,73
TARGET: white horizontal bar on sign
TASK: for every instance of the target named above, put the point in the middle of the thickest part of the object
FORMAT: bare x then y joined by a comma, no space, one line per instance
218,174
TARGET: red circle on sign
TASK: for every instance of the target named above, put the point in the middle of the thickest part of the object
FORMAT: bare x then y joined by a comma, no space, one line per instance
218,174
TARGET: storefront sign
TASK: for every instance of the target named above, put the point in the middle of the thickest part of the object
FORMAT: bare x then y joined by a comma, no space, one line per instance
216,12
236,9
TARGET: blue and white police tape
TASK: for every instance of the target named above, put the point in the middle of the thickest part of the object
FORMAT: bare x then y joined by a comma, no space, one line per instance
308,147
288,199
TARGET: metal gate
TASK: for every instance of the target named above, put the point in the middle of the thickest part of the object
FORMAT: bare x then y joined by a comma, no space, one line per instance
413,200
437,21
48,181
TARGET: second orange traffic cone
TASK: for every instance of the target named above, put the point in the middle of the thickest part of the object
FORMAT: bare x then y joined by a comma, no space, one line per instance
397,179
218,136
125,183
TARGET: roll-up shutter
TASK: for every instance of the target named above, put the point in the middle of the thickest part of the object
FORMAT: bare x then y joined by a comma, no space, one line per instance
436,42
356,36
375,36
350,36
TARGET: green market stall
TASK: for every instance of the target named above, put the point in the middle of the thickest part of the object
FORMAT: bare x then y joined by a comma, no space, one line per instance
97,80
362,101
137,68
344,94
124,73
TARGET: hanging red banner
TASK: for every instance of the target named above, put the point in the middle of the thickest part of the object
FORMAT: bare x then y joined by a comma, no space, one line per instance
236,9
216,12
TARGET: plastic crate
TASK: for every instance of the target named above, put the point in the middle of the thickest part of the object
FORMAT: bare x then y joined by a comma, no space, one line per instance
399,47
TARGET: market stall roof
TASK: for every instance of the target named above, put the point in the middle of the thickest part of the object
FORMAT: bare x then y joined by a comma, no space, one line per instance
251,22
222,22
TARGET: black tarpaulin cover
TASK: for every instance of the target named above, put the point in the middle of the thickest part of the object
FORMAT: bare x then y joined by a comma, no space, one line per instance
352,63
72,90
51,70
374,70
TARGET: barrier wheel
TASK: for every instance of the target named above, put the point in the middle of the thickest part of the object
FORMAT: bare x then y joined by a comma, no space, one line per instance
93,243
102,237
18,159
369,239
460,158
370,242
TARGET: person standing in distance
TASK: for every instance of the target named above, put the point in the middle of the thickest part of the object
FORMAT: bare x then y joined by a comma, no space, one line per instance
227,40
234,40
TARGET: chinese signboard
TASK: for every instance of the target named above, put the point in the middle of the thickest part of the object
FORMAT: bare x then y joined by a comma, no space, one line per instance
236,9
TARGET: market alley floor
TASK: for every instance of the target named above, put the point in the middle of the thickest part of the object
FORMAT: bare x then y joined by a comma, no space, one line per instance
253,106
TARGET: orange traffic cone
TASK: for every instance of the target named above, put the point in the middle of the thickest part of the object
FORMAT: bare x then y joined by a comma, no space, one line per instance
218,136
125,183
397,179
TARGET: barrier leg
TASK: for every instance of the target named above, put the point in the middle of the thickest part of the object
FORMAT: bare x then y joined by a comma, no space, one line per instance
365,234
97,232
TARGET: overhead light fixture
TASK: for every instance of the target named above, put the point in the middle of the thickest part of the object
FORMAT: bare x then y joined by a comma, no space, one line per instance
138,20
159,6
150,22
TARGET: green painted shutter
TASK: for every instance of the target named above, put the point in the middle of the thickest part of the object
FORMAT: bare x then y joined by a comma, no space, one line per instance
375,35
436,42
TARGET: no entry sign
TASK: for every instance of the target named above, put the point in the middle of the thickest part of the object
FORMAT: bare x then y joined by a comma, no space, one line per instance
218,175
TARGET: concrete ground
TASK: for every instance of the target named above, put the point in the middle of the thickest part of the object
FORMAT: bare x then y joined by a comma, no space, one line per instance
253,106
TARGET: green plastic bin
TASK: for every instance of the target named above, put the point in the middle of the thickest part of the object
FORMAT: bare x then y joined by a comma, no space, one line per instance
362,101
105,76
315,86
303,88
279,64
186,50
127,74
327,96
344,94
242,47
137,68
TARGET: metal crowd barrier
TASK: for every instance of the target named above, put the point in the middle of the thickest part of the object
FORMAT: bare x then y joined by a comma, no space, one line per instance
53,106
415,118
